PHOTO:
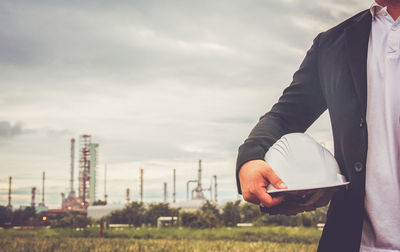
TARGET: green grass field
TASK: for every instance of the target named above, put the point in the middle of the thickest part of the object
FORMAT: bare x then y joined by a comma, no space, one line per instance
166,239
119,244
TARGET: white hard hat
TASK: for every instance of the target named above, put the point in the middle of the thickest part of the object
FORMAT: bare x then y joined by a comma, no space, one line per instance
309,170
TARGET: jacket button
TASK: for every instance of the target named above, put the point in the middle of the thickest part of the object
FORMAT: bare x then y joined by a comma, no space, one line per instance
361,122
358,167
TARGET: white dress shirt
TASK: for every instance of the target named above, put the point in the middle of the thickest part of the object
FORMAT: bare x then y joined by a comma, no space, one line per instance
381,229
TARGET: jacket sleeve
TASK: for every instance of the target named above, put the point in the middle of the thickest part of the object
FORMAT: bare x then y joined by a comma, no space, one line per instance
301,103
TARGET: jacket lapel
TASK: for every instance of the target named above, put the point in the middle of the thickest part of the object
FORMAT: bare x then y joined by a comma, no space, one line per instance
357,38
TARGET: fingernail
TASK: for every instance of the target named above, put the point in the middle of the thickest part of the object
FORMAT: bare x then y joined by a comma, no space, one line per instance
282,185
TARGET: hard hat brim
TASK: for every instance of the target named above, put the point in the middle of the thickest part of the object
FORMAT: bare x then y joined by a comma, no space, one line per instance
341,182
298,201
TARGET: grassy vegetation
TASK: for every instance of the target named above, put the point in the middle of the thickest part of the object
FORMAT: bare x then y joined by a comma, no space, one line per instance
118,244
271,234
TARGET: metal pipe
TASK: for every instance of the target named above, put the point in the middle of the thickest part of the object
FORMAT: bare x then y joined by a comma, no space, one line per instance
187,187
193,193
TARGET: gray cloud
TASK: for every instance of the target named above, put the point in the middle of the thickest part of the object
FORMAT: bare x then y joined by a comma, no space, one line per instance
8,130
159,84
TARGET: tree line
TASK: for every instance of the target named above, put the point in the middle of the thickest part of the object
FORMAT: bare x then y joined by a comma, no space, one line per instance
210,216
19,217
137,214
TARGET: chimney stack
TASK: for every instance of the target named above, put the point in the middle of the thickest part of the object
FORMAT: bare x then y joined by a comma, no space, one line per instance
141,184
127,196
62,199
72,164
43,179
105,183
199,177
165,192
9,193
215,189
33,197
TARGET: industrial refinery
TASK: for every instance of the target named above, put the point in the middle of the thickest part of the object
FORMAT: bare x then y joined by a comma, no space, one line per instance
84,201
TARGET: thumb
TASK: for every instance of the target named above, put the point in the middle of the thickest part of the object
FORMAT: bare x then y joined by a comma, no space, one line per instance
272,178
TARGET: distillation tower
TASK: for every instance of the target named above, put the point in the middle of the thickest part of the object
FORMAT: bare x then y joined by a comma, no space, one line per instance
87,169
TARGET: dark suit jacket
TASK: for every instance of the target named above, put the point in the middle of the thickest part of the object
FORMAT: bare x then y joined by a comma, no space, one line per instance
332,76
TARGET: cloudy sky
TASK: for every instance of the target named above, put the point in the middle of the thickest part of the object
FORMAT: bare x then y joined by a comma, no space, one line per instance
158,84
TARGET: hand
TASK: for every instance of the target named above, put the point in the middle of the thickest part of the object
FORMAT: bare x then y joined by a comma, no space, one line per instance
255,176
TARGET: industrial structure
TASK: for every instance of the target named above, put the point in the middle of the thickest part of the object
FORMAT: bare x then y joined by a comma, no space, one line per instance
9,206
105,184
215,189
33,197
196,198
42,204
197,192
165,192
199,189
141,184
174,187
72,202
37,207
128,198
87,169
88,156
72,165
192,204
86,195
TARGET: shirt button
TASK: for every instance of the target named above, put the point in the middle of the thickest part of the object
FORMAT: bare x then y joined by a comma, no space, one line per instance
395,27
358,166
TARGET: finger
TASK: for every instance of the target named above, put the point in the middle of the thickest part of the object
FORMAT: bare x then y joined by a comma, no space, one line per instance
255,201
251,198
274,179
266,199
